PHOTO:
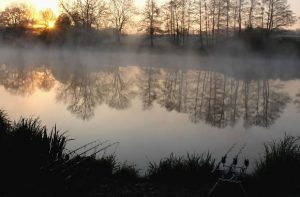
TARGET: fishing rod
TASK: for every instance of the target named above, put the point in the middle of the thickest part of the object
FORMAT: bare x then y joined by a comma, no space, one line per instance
223,159
94,147
69,154
94,154
105,148
229,173
68,161
235,159
233,166
82,147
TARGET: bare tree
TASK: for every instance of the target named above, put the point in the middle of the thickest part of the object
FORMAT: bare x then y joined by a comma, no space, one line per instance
206,23
85,13
252,8
241,6
177,16
16,15
199,15
120,13
213,5
279,14
220,16
151,19
227,16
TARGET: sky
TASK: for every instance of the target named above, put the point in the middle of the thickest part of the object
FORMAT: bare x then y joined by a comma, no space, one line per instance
53,4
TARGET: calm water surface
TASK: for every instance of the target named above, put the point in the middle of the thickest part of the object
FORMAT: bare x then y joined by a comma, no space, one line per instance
155,110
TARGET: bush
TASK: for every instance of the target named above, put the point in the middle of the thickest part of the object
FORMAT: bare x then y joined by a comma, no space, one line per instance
25,147
278,171
192,169
126,172
4,123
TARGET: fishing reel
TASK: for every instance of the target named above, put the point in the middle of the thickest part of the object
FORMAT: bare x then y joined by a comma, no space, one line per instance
243,168
235,161
246,163
232,173
223,160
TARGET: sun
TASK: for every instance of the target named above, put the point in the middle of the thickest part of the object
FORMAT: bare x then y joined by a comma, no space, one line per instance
45,13
51,24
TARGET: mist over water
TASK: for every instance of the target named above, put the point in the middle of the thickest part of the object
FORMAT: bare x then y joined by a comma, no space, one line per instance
154,103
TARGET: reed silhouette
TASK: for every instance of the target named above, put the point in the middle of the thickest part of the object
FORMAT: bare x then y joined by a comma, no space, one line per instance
277,172
191,169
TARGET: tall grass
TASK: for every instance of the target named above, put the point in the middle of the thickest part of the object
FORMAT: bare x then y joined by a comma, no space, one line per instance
35,139
25,147
278,171
4,123
190,169
126,172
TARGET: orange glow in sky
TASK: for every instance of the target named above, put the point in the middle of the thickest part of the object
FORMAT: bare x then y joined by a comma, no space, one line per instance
54,5
46,4
37,4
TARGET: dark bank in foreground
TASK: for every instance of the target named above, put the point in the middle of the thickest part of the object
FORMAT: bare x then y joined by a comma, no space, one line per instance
35,162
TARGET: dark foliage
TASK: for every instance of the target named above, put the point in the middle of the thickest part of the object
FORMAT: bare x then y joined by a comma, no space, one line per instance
126,172
277,172
25,148
192,169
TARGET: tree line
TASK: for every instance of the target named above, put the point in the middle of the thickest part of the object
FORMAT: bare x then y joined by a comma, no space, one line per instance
209,20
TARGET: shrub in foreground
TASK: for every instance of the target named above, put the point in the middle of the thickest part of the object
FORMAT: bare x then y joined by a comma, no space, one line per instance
192,169
278,171
25,147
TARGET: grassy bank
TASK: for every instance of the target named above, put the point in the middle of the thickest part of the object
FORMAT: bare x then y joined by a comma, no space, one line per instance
35,162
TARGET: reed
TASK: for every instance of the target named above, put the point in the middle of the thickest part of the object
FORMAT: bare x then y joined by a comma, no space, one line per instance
189,169
25,147
126,172
278,171
4,122
37,142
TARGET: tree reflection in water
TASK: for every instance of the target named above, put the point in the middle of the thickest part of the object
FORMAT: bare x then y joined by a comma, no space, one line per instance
206,96
297,101
80,94
84,91
148,84
24,81
120,93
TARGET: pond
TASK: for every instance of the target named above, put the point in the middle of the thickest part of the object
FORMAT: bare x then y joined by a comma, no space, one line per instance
155,105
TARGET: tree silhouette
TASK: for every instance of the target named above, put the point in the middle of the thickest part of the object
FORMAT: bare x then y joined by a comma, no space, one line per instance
85,13
278,14
15,16
151,22
120,12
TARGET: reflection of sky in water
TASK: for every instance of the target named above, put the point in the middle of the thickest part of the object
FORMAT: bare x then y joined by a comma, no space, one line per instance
154,111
